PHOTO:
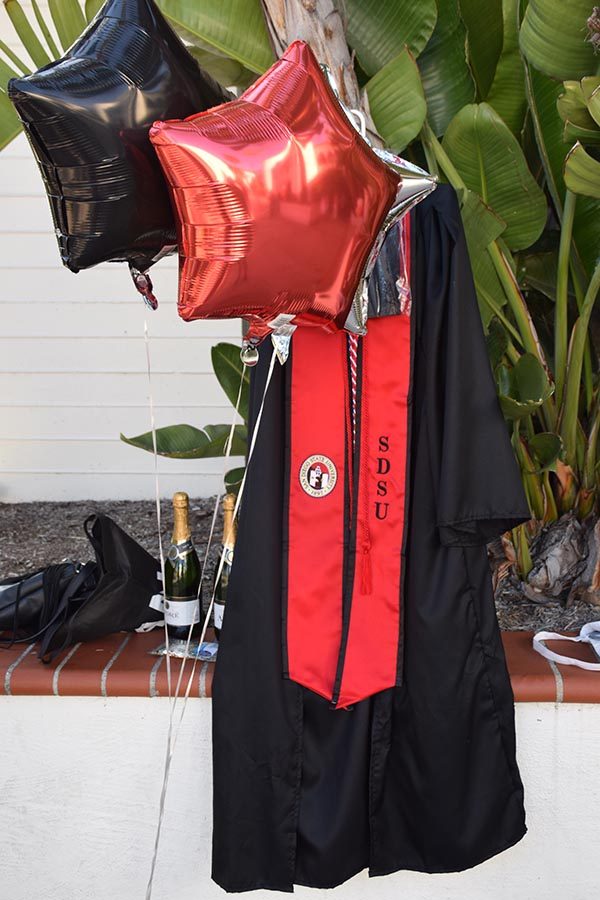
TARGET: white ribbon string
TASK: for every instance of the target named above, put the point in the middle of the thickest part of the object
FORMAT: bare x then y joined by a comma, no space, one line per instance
590,634
171,737
223,551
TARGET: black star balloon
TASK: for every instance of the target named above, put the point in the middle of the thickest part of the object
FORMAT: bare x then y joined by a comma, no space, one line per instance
87,117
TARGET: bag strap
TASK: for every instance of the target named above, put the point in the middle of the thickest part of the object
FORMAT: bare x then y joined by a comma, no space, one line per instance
69,594
540,648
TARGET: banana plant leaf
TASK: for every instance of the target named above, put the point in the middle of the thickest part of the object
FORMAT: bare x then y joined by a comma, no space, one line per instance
496,341
490,160
545,448
233,480
236,29
507,92
445,72
482,226
523,388
230,370
553,38
572,106
590,87
543,95
226,71
538,271
396,101
483,22
582,172
187,442
573,133
378,30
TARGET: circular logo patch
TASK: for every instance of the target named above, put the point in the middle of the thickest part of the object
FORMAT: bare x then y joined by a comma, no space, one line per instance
318,475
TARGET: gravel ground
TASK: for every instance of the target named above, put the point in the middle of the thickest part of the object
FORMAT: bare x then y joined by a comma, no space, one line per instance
33,535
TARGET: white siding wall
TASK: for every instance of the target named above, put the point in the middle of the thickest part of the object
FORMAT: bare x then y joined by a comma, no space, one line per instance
73,362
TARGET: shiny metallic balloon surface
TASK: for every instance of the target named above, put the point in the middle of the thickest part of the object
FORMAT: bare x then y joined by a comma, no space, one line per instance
279,201
87,117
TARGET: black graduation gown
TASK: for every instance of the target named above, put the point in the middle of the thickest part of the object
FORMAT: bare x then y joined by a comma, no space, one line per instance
421,776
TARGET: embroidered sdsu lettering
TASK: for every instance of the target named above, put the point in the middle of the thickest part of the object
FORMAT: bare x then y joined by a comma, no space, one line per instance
318,476
342,588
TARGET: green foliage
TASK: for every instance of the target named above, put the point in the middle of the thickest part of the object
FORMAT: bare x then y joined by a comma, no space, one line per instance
188,442
397,101
503,100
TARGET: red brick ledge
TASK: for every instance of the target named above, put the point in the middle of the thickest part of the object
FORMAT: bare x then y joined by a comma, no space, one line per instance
121,666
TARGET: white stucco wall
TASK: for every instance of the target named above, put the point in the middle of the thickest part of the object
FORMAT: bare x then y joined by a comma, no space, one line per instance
73,363
80,781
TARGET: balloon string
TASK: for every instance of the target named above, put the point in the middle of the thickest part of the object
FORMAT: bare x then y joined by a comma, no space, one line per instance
227,537
162,570
172,740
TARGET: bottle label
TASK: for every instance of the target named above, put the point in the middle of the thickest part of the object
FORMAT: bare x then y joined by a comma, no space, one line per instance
180,551
182,611
157,602
218,610
227,555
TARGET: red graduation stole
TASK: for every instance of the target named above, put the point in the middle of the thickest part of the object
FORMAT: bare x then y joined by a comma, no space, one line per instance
344,523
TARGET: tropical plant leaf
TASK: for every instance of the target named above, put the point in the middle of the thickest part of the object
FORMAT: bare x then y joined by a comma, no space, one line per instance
187,442
482,226
590,87
582,172
92,7
507,93
68,19
233,480
46,33
543,94
483,22
496,341
236,29
229,370
572,105
574,133
226,71
553,38
537,271
545,448
445,73
14,59
10,124
396,101
26,34
378,30
490,161
6,73
523,388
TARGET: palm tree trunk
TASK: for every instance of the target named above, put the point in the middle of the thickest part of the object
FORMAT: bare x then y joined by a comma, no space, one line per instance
320,24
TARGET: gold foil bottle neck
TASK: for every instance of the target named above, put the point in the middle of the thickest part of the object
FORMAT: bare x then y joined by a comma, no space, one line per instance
181,520
229,528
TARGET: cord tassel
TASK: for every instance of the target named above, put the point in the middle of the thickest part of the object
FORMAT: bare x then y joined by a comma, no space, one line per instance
366,576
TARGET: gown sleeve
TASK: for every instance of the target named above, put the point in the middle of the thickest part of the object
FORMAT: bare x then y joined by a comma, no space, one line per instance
477,482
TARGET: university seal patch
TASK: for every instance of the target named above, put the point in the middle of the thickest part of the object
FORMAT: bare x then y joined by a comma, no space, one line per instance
318,475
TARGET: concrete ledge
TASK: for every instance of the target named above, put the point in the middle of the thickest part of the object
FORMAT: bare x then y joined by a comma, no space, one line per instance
81,786
121,665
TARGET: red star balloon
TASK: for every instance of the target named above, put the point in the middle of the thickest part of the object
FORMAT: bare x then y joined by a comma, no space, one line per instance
279,202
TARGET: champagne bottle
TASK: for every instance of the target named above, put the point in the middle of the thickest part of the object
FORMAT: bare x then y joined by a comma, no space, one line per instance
221,582
182,575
